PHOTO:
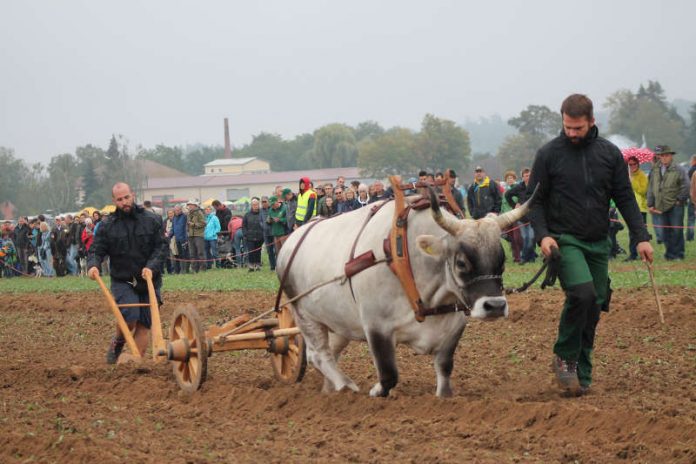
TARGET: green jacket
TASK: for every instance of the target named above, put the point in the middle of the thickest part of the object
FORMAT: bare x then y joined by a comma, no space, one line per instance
669,189
195,223
278,228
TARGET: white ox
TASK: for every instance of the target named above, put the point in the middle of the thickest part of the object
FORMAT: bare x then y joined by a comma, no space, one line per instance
453,261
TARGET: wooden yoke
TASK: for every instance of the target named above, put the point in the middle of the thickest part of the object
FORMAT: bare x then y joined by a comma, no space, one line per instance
400,264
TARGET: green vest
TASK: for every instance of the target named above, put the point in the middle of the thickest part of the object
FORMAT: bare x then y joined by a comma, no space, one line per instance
666,187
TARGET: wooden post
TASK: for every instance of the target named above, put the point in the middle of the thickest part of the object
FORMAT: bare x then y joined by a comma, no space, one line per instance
159,349
119,319
654,287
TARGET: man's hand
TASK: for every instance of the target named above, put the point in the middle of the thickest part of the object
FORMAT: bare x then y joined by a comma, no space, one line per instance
645,251
93,273
546,244
147,273
653,210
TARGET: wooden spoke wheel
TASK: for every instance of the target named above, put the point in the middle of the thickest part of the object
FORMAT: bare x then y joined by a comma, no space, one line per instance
186,330
289,367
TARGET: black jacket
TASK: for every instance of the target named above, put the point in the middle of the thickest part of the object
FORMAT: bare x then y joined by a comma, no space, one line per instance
517,194
132,242
252,226
224,215
576,183
483,200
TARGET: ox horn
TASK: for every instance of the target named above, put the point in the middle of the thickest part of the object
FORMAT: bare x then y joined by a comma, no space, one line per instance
505,221
450,224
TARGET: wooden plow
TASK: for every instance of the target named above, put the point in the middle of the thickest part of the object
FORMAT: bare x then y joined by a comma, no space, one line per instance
189,346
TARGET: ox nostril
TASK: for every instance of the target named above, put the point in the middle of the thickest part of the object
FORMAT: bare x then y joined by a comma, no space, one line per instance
494,305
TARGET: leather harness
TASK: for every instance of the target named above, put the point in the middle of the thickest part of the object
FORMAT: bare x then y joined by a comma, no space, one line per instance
395,246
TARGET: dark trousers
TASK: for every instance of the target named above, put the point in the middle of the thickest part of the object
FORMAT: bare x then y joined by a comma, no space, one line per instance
690,221
197,252
673,233
270,249
182,266
254,251
584,276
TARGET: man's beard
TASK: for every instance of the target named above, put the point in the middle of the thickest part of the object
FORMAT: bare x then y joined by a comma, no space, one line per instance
128,211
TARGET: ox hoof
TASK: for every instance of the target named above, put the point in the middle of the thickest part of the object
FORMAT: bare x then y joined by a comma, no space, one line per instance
444,393
378,391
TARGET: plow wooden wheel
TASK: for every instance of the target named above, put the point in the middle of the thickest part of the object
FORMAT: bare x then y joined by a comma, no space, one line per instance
289,360
188,349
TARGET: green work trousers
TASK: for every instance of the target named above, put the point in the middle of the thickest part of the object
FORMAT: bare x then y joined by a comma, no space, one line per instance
584,274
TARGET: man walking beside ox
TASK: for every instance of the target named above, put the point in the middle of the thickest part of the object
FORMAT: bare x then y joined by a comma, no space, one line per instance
578,173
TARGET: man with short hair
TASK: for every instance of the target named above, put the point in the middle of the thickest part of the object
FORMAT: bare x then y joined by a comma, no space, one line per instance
668,192
378,192
577,174
178,233
516,196
73,242
195,229
132,238
22,243
290,201
483,196
267,232
223,213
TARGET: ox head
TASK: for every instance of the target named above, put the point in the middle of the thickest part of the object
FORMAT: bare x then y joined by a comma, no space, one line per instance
473,257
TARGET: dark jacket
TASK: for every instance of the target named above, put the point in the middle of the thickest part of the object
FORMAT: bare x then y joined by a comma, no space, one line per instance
132,242
179,228
21,238
517,194
291,208
483,200
252,226
224,215
576,183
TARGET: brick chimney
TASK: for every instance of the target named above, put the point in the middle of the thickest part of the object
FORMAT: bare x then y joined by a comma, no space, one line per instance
228,147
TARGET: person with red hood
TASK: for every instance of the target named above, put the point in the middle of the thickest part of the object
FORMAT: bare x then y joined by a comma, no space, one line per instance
306,203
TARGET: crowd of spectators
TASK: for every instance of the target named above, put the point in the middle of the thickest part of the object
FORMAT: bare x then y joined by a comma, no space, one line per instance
203,238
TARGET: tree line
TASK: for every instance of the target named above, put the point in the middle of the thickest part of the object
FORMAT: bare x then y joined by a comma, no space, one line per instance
70,181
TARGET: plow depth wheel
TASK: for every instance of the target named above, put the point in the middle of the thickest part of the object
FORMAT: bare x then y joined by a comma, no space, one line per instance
186,326
289,367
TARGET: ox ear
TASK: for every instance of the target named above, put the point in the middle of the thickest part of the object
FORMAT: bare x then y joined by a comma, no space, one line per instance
430,245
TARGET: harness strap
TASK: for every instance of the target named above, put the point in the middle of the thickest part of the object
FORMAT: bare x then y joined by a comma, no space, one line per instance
398,243
292,258
350,266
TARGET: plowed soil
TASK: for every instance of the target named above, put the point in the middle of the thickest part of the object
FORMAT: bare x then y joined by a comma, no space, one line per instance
60,402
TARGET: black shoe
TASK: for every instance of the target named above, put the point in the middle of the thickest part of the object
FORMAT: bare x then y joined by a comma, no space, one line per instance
566,375
114,350
631,258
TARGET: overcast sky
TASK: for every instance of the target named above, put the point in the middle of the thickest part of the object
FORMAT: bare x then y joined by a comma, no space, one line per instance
74,72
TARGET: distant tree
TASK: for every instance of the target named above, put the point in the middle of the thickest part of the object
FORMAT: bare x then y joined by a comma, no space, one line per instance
197,156
690,132
394,152
172,157
367,129
646,113
441,144
538,121
12,171
63,174
334,147
518,151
